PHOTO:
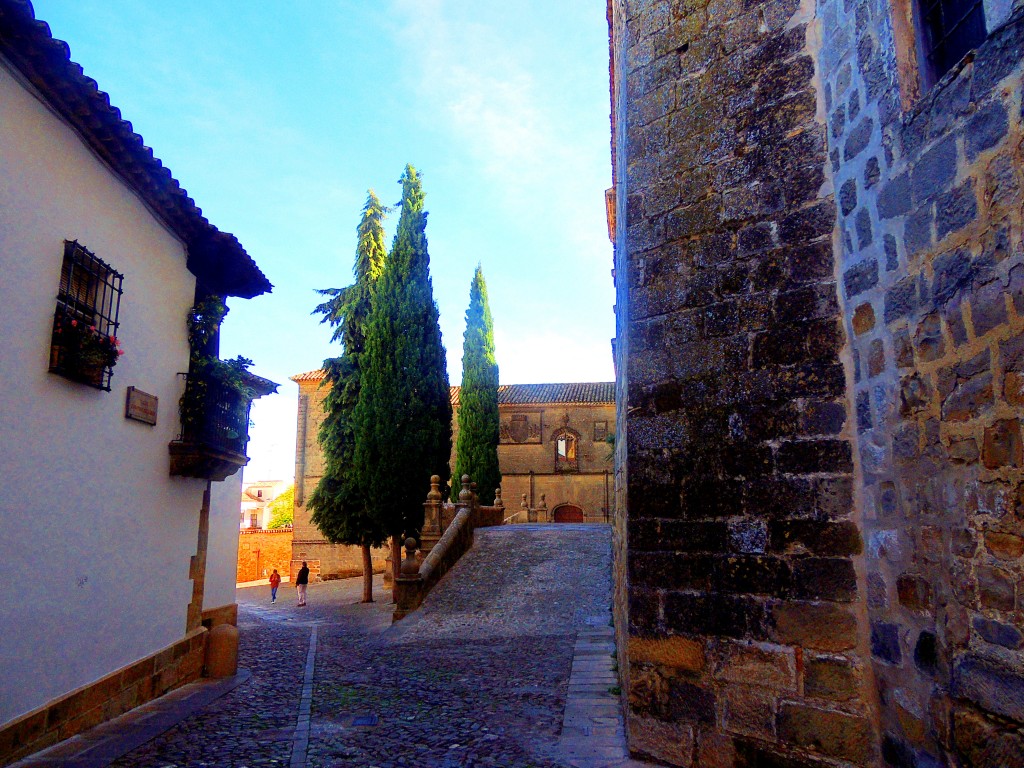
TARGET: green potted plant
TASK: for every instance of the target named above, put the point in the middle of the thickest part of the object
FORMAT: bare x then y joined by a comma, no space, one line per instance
81,352
214,408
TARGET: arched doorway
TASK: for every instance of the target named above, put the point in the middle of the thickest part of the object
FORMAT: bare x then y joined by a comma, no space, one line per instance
567,513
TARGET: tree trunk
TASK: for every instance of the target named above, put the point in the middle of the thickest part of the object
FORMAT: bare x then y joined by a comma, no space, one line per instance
367,575
396,556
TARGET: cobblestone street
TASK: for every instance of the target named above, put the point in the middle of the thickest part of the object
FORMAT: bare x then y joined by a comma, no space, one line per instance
480,676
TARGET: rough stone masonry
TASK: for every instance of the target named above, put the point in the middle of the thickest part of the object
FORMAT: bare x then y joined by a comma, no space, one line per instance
820,356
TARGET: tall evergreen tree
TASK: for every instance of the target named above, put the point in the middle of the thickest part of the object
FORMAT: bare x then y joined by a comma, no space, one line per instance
338,503
477,445
404,415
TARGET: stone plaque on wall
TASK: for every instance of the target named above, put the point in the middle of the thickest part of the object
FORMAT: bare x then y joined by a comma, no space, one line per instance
521,428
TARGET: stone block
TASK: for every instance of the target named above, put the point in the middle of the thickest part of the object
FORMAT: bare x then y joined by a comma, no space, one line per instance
669,742
997,588
810,456
936,169
953,272
914,592
863,319
827,677
986,129
876,358
858,138
824,578
998,633
955,209
991,685
819,537
1004,546
988,308
678,653
1002,445
689,703
825,731
761,664
821,626
895,198
985,742
901,300
750,711
885,642
968,398
848,196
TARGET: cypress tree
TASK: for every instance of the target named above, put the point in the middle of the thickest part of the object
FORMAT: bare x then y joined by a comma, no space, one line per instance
477,445
338,503
403,417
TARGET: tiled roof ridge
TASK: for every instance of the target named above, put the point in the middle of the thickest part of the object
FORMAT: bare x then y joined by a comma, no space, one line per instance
45,62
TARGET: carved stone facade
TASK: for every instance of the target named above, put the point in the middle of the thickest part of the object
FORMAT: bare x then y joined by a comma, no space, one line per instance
820,328
553,447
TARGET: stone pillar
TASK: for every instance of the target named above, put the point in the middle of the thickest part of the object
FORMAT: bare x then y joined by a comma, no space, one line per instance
408,591
542,514
431,517
530,515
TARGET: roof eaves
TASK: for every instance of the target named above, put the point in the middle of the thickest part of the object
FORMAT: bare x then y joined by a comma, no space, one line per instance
214,256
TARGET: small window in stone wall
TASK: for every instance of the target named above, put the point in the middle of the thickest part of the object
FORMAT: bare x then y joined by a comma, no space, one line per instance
600,431
951,29
84,345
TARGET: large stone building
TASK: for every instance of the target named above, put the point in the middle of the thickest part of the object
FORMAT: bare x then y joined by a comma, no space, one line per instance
118,545
820,356
553,452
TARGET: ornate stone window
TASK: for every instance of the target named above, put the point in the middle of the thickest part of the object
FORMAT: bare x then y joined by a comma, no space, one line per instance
566,450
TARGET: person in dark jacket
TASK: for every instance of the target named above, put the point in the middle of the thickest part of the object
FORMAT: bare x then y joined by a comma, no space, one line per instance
301,582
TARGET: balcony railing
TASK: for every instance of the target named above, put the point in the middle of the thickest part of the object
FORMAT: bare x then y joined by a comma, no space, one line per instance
215,427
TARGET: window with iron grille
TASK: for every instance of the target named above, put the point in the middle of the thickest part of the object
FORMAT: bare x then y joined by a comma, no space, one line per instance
84,346
951,29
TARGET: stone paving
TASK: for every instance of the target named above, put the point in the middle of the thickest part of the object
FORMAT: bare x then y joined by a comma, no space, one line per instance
508,663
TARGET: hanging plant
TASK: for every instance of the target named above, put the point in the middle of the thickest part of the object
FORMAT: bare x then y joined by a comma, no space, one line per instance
213,383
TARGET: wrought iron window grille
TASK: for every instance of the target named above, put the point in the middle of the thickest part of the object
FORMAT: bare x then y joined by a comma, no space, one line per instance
84,346
952,28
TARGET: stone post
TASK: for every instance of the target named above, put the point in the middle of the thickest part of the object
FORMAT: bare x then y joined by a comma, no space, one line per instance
409,584
497,498
525,507
465,497
431,517
542,510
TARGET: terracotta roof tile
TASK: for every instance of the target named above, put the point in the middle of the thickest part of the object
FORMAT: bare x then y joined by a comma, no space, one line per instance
316,375
525,394
46,63
543,394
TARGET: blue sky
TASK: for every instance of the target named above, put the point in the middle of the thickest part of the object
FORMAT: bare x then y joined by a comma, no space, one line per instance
277,117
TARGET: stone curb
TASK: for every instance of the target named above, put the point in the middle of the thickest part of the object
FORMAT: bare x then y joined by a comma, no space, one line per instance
109,741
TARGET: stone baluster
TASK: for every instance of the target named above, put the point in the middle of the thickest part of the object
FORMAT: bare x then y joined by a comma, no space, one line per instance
542,510
410,565
497,498
408,590
432,524
465,497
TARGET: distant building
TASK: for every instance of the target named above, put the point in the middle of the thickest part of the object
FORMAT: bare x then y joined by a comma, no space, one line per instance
553,447
118,546
256,498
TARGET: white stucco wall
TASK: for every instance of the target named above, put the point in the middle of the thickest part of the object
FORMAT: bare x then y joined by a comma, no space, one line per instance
222,569
96,536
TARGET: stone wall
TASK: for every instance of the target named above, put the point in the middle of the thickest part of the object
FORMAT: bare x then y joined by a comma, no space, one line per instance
747,639
261,551
929,193
820,342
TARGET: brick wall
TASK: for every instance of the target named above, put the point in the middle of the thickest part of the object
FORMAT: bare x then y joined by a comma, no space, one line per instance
261,551
929,192
747,637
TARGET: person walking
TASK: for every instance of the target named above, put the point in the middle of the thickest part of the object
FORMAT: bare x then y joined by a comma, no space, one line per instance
301,582
275,582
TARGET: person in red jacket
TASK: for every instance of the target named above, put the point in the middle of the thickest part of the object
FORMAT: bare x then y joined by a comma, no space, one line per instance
275,582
